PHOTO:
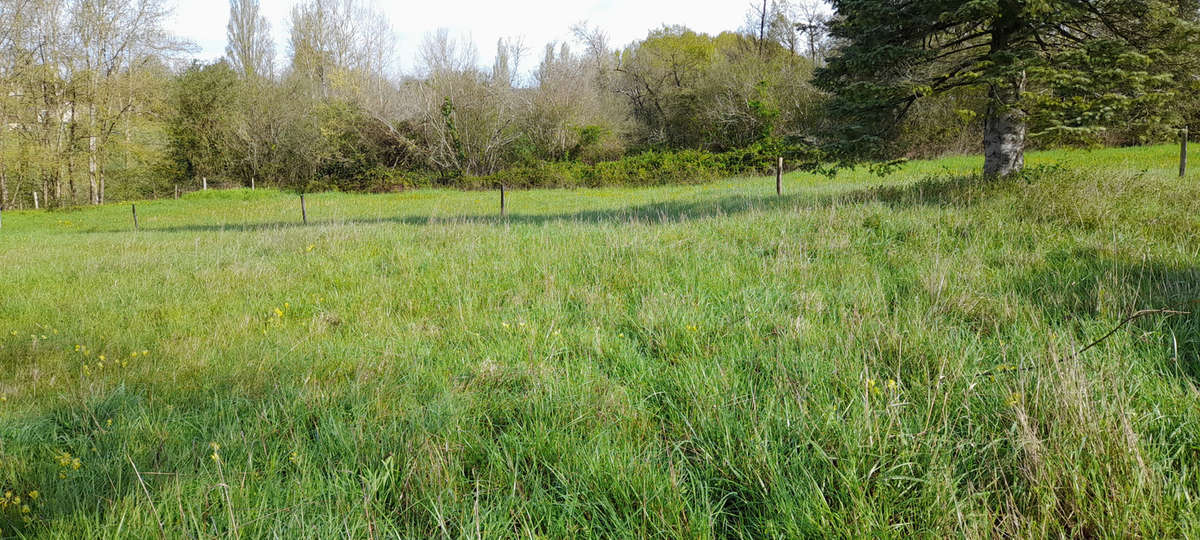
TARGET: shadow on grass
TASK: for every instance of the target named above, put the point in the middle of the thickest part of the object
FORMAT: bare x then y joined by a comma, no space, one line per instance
1085,284
950,191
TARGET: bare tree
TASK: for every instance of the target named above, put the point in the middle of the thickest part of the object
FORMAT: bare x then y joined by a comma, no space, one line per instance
507,67
812,20
113,39
340,42
250,49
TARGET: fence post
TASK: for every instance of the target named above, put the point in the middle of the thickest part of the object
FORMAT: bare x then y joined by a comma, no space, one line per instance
251,183
503,203
1183,144
176,191
204,182
36,206
135,221
1,216
303,210
779,178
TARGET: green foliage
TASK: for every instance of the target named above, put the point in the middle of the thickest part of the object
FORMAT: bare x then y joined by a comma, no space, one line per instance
690,90
201,102
1076,68
1103,84
650,168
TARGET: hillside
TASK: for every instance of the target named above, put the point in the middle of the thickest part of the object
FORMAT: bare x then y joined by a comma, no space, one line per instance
881,357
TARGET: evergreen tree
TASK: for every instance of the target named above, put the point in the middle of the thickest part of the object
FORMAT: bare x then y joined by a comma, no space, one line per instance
1069,65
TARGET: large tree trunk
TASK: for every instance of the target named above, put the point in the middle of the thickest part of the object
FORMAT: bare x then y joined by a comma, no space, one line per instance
1004,130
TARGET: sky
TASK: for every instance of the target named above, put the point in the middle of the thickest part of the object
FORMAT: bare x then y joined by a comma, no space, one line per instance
538,22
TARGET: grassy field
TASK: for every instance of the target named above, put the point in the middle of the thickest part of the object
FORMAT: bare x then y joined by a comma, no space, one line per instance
863,357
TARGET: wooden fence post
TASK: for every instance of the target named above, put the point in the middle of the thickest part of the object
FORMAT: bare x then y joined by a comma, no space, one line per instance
503,203
251,183
176,191
135,221
36,206
303,210
779,178
1183,144
204,182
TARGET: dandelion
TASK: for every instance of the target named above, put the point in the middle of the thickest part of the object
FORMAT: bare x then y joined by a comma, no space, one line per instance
216,452
145,352
1014,399
294,458
33,495
891,385
505,324
108,423
101,358
25,509
872,386
3,399
310,248
278,313
14,333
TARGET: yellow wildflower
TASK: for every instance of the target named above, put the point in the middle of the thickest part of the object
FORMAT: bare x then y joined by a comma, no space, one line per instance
33,495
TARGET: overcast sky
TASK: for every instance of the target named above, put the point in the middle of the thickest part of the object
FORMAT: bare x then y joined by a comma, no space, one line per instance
485,21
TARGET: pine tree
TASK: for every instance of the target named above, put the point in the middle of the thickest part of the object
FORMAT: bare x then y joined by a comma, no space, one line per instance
1064,65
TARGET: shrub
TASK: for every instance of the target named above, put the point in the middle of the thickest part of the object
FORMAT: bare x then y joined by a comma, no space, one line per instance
652,168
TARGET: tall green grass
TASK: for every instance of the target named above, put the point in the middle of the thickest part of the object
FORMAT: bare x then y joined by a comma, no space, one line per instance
863,357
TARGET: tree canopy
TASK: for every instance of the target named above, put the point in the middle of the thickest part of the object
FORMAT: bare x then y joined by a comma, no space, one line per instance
1066,67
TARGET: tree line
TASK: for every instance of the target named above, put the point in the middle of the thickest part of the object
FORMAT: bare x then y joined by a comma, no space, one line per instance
97,103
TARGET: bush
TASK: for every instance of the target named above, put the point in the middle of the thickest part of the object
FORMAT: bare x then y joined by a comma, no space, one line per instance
651,168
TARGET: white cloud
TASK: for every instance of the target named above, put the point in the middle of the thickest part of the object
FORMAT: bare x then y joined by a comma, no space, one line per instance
536,21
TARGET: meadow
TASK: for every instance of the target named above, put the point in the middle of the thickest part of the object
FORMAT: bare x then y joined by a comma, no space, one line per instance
865,356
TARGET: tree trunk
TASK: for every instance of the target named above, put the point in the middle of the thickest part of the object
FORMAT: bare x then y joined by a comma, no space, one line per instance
1004,130
93,166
